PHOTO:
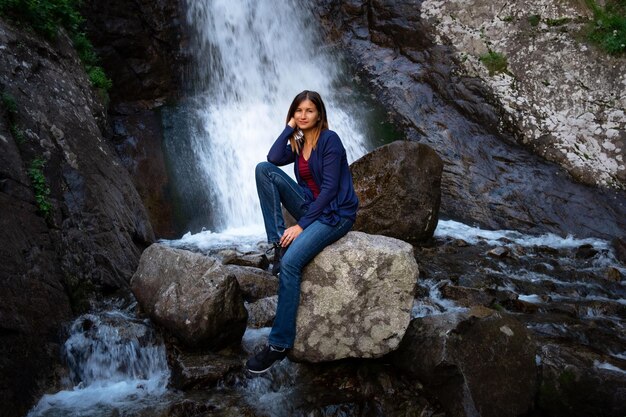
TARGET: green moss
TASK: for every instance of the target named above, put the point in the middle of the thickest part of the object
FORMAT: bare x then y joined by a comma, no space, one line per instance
495,62
558,22
508,18
98,78
40,187
608,29
534,19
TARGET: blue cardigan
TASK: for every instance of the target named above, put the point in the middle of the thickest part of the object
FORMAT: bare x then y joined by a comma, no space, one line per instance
329,166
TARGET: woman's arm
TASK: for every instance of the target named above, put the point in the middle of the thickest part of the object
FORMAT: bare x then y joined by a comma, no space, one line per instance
331,168
280,153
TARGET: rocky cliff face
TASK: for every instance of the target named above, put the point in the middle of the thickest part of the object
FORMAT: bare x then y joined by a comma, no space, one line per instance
566,98
489,178
71,218
140,45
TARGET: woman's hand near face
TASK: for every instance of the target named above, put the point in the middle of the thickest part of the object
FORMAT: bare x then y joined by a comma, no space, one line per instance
292,123
289,235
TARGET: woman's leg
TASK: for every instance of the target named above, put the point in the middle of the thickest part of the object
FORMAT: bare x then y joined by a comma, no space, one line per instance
275,186
304,248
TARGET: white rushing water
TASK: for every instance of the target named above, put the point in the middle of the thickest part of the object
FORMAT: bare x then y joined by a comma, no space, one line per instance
252,58
116,365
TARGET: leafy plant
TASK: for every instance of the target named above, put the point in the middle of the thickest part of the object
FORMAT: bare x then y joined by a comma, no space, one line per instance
534,19
495,62
40,187
46,17
608,29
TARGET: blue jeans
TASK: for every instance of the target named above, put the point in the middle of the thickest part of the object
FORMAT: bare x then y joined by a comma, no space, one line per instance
274,187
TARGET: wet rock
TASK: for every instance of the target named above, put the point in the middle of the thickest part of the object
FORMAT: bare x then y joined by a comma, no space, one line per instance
399,191
586,251
261,313
254,283
476,363
578,382
467,297
199,371
356,298
613,274
619,247
232,257
499,252
191,295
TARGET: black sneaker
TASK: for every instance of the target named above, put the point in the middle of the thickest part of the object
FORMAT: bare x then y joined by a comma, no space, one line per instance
264,360
279,252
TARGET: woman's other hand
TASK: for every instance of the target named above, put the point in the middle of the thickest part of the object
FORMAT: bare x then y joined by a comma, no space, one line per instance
289,235
292,123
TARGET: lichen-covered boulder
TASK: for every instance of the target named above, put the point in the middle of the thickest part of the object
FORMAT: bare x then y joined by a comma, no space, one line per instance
193,296
399,189
356,298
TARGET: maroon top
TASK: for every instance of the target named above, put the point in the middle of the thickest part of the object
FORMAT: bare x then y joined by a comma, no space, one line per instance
305,174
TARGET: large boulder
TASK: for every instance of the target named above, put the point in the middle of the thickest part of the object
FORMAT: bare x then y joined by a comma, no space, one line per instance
356,298
193,296
399,189
477,363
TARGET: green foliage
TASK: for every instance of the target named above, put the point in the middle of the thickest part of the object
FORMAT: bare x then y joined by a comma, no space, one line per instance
46,17
40,187
98,78
495,62
508,18
558,22
534,19
9,102
608,30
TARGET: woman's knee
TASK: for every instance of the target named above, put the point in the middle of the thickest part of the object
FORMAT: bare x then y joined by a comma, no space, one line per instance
290,264
263,168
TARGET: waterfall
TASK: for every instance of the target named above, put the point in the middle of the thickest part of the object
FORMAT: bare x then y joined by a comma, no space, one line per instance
116,363
251,58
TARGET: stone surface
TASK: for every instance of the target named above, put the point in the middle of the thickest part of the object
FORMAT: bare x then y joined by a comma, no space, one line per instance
399,189
480,363
96,228
489,179
261,313
565,96
254,283
201,370
141,46
576,381
191,295
356,298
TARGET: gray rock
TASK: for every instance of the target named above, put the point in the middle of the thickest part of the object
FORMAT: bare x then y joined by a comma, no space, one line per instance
480,363
254,283
201,370
191,295
261,313
399,189
356,299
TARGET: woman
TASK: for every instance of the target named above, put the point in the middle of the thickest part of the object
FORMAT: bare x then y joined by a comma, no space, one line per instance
322,201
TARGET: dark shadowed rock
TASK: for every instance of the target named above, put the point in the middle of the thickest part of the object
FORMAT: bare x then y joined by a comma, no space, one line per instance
198,370
480,363
399,189
193,296
579,382
356,299
254,283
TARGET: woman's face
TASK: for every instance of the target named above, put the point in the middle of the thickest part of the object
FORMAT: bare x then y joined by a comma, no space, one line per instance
306,115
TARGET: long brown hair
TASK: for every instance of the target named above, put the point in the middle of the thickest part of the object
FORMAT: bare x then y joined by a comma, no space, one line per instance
322,124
